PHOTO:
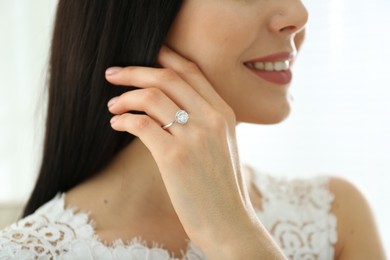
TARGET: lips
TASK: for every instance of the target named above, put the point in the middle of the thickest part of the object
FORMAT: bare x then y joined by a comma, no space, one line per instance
274,68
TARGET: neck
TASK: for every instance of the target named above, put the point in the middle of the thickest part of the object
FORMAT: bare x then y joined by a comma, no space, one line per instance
131,185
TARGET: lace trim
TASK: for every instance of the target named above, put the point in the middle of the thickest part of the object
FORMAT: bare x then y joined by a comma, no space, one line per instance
297,214
53,231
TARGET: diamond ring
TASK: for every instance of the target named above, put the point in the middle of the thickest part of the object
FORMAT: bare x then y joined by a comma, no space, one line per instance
180,118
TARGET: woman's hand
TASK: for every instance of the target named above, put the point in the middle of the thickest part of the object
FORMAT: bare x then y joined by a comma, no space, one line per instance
198,161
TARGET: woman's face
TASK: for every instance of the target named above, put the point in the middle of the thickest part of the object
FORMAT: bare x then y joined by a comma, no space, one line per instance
243,47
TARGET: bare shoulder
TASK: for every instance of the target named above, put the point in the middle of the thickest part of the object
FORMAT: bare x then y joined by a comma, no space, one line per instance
358,236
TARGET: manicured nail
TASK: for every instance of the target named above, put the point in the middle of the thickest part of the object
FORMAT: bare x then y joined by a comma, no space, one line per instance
113,120
112,101
113,70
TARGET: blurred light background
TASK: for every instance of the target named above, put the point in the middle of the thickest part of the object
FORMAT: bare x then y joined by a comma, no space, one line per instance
340,123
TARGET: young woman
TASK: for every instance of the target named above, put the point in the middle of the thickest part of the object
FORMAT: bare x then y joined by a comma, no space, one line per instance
140,147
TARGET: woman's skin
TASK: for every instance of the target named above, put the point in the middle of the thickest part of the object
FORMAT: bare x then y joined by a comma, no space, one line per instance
186,182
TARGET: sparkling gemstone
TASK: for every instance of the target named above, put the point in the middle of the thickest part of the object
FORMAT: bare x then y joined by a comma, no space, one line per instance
182,117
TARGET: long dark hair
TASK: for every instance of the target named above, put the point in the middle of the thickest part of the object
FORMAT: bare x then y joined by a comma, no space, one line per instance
90,36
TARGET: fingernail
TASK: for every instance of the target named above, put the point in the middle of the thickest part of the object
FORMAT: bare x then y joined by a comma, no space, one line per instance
112,101
113,120
113,70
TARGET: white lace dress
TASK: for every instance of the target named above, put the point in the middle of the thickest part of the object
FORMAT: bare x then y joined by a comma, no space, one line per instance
295,212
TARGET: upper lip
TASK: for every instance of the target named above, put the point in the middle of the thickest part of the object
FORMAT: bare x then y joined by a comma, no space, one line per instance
280,56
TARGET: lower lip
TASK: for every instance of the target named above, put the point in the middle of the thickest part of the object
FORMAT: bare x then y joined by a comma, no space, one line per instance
277,77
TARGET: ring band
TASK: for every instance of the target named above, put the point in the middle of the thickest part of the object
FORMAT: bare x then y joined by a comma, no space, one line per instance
181,117
169,125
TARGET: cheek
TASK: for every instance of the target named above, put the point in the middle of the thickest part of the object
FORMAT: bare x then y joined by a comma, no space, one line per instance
217,50
211,37
215,46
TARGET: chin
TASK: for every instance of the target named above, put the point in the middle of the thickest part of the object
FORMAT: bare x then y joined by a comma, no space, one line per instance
275,119
273,115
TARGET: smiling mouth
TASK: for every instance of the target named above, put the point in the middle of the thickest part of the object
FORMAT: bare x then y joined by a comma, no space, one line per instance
269,66
277,72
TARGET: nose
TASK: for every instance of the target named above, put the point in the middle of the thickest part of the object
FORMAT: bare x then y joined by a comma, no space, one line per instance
288,17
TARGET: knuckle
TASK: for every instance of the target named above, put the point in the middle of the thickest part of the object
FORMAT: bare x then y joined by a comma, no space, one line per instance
152,95
122,99
222,116
141,122
168,75
231,115
218,122
190,68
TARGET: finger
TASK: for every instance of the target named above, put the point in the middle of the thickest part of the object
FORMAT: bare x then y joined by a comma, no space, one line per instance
165,79
144,127
152,101
190,72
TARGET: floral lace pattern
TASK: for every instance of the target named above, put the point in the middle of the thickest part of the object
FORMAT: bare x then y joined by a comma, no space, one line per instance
54,232
296,213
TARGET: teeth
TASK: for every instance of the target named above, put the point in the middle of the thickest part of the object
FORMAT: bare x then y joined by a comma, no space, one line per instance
270,66
259,65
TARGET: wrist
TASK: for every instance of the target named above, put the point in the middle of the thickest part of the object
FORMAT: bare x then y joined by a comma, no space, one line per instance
244,238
